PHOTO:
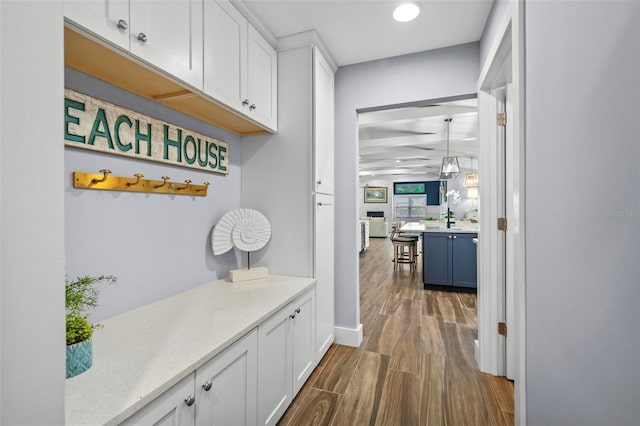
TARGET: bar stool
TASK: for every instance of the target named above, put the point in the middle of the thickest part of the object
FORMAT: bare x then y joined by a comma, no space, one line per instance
405,250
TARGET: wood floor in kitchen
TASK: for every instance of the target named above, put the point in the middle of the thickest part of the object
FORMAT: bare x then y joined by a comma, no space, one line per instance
415,365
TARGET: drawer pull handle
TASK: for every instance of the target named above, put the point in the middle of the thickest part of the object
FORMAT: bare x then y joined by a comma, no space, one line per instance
298,311
292,316
122,24
252,107
245,102
190,400
207,386
142,37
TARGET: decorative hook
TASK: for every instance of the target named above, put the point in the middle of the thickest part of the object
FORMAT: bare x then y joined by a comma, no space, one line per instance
164,182
105,173
206,185
188,182
138,176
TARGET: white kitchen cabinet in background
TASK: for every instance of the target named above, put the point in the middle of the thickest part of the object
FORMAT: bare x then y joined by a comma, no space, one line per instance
166,34
226,386
286,357
175,407
240,67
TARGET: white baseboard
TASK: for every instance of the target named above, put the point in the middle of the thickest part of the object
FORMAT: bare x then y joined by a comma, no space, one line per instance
476,352
349,336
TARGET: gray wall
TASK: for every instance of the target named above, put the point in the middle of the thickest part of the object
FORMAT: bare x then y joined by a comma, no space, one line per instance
583,212
156,244
428,75
32,348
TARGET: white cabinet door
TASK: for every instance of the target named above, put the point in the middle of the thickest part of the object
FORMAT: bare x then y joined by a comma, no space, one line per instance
302,340
108,19
324,273
323,92
286,356
240,67
175,407
274,367
262,81
226,386
225,54
168,35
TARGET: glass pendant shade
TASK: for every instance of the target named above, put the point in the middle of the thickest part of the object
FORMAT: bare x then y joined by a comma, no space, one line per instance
450,168
471,180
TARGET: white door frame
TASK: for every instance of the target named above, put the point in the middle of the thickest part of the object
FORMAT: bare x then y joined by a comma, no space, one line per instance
504,65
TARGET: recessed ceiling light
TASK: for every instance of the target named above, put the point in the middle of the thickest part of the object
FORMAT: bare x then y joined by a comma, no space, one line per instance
406,12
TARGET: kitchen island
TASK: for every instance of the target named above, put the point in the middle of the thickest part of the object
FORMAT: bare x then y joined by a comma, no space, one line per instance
449,255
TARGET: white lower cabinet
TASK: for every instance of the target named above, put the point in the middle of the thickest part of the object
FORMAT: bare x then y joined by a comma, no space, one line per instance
175,407
226,386
286,356
251,382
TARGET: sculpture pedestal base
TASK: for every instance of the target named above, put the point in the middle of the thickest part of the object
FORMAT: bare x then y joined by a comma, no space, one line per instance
240,275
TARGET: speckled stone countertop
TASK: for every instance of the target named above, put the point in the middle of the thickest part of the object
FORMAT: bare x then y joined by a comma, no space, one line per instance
436,227
140,354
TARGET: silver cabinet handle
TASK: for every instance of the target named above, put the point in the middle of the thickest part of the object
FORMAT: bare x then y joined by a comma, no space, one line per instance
252,107
190,400
142,37
298,311
207,386
292,316
320,203
449,237
454,237
122,24
319,182
245,102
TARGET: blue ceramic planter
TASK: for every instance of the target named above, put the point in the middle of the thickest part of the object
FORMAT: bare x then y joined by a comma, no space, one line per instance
79,357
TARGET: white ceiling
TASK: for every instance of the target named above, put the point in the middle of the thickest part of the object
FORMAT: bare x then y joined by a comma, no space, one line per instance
395,143
357,31
409,143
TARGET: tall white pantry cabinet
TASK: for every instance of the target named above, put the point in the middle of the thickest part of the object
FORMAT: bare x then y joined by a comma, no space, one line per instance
289,175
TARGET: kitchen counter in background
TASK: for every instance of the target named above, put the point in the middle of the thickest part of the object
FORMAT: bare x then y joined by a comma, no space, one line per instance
140,354
419,227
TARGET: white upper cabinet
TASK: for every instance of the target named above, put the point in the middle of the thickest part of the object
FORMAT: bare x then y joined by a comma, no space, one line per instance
240,67
323,88
167,34
262,80
225,61
108,19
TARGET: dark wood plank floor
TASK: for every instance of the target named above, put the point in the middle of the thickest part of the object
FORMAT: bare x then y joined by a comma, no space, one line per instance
415,365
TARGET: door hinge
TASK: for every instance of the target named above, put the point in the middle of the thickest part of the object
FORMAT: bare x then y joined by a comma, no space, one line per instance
502,329
502,224
501,119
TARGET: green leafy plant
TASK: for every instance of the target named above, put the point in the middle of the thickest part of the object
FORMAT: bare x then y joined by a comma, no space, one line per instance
82,296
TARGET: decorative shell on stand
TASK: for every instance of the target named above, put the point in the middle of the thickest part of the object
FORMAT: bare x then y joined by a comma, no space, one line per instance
246,229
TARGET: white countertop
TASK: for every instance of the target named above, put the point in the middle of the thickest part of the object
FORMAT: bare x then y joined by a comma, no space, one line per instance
437,227
140,354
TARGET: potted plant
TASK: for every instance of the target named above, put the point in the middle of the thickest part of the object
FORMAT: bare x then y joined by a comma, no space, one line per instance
81,296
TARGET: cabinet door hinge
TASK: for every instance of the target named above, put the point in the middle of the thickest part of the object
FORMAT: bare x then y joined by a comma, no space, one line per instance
501,119
502,224
502,329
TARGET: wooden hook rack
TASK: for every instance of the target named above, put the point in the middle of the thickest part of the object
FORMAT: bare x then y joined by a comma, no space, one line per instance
106,181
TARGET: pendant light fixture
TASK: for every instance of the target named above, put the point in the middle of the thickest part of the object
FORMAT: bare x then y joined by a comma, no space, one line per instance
450,167
471,180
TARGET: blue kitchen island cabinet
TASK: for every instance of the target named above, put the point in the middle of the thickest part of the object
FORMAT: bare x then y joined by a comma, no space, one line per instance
449,258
